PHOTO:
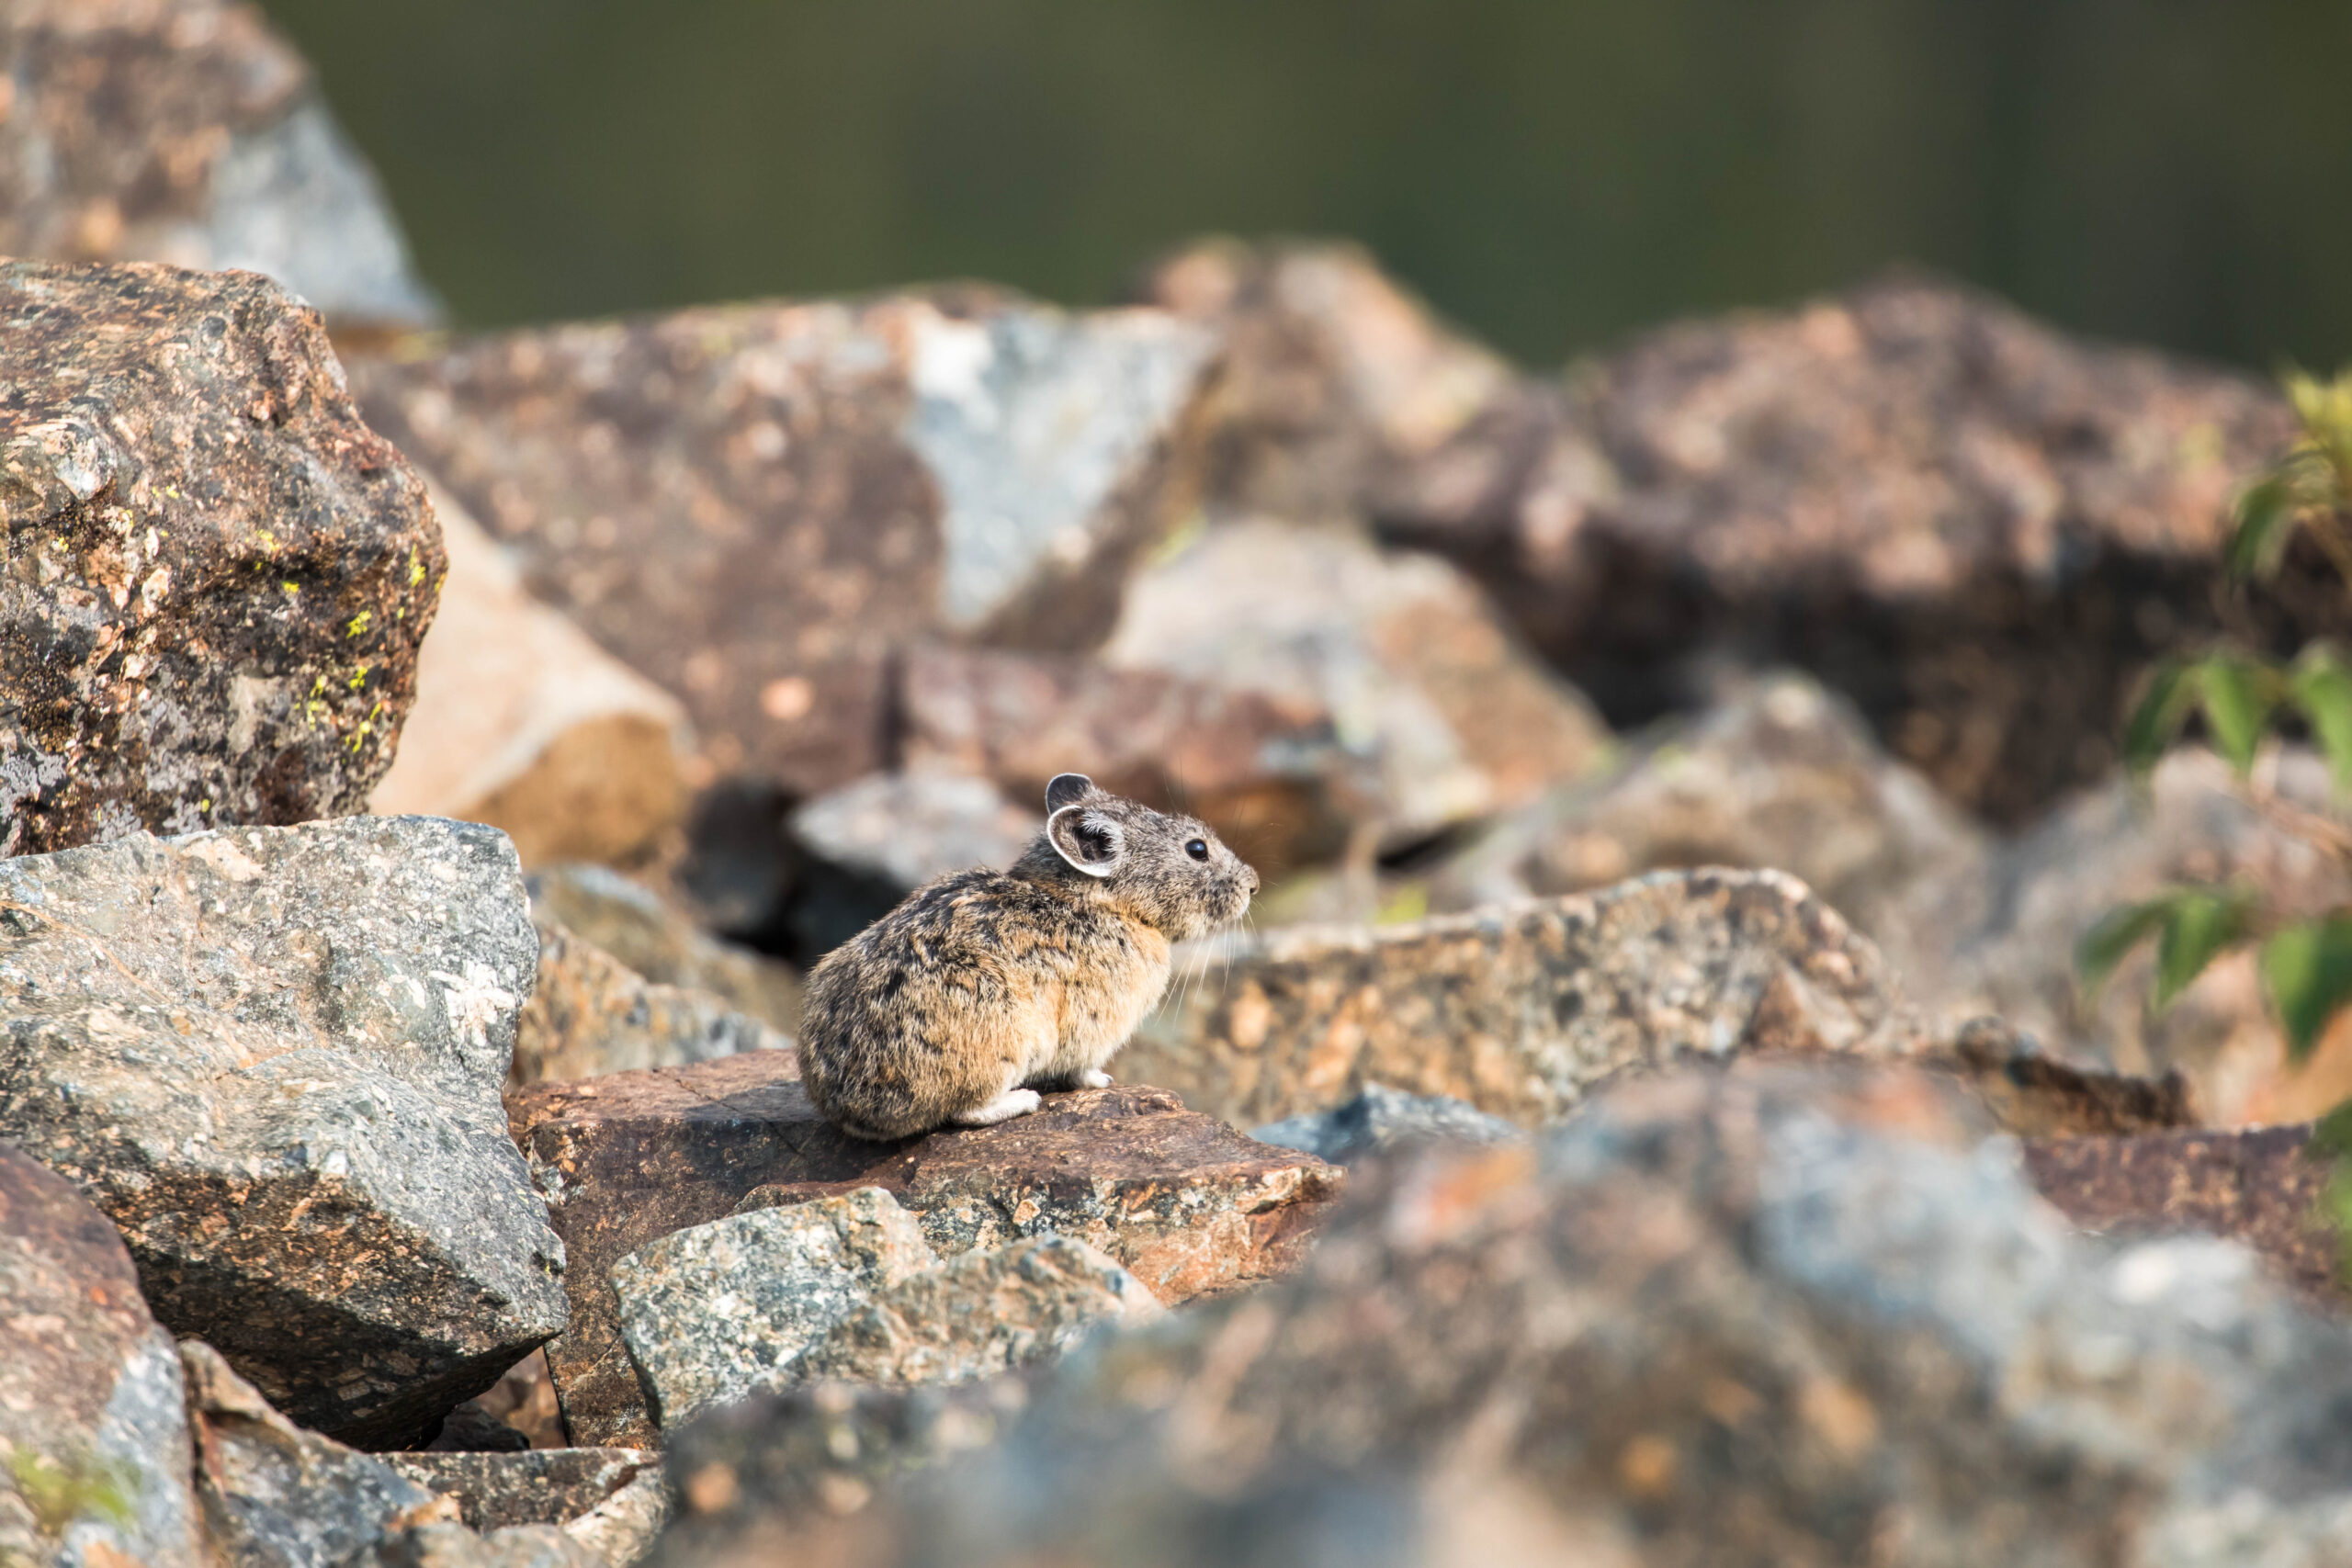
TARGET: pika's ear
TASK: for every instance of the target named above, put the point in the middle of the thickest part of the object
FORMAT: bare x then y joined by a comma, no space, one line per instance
1067,789
1090,841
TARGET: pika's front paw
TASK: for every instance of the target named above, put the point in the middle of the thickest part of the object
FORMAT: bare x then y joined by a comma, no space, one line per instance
1093,1077
1013,1102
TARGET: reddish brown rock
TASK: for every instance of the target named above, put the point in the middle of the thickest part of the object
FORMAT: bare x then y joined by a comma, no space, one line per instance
757,506
221,575
2261,1186
1185,1203
1259,767
188,131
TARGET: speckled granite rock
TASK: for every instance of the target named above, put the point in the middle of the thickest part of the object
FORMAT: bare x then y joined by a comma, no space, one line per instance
95,1452
646,932
546,1486
714,1311
1187,1205
756,506
1523,1008
1785,1316
220,574
1381,1121
273,1056
590,1013
1258,768
188,131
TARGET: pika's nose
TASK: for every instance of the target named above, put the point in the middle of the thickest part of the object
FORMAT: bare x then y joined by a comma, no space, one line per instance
1251,873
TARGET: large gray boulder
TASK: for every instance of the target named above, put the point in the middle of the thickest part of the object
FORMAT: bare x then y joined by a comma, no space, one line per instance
273,1056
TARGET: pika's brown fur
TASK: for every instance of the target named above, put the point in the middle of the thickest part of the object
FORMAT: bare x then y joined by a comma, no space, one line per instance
985,986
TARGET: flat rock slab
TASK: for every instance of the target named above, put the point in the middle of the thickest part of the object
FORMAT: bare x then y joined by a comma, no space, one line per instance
94,1438
542,1487
220,576
1184,1203
273,1056
2261,1186
1522,1010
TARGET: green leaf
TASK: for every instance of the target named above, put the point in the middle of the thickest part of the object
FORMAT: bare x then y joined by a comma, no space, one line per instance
2197,926
2308,970
2266,518
2239,695
2106,944
2321,687
2163,708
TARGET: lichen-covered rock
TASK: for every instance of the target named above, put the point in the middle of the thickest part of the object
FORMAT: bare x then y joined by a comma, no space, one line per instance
645,931
590,1014
188,131
218,575
95,1452
1186,1204
522,722
757,506
1261,769
1787,1316
871,843
1522,1010
273,1056
717,1311
1381,1121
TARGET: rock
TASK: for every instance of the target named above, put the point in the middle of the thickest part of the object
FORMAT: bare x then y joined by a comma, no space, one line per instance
1521,1011
868,844
524,1398
716,1311
1381,1121
95,1454
272,1055
1980,530
2261,1186
1259,769
648,934
590,1014
545,1487
189,132
1187,1205
1783,774
1342,393
622,1528
522,722
2117,845
980,1315
471,1428
1788,1316
1445,717
2035,1096
223,573
756,506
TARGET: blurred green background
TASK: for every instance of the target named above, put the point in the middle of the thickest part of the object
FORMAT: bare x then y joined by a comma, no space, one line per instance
1551,174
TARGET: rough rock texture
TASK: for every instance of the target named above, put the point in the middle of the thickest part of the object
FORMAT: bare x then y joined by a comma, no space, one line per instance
646,932
188,131
522,722
1980,530
1520,1009
868,844
1444,715
273,1056
1258,768
2034,1095
756,506
1381,1121
2261,1186
1186,1204
218,575
94,1441
1783,774
552,1486
1756,1318
590,1014
1342,393
714,1311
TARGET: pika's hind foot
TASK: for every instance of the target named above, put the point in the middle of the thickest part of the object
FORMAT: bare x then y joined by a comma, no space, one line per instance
1094,1077
1013,1102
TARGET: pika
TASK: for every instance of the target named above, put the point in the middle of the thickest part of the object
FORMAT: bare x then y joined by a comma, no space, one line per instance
984,986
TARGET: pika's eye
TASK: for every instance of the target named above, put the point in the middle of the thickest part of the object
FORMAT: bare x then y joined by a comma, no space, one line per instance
1198,849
